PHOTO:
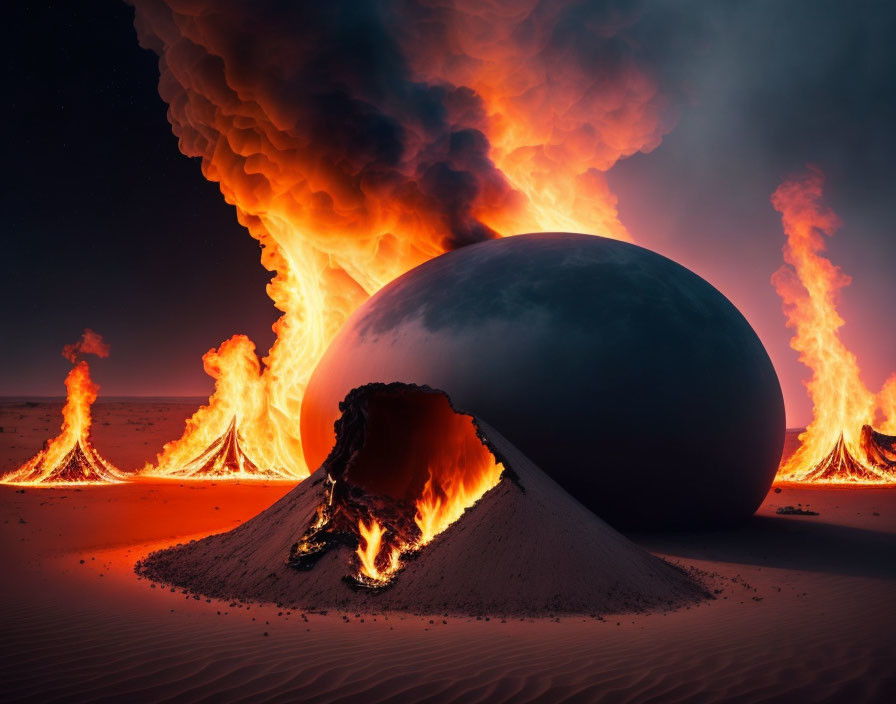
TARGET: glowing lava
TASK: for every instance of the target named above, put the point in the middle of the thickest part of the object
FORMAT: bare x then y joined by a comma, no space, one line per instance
421,465
838,446
350,171
70,458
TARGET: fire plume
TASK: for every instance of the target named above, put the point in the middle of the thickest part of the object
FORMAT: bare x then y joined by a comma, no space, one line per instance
70,457
838,445
358,141
246,447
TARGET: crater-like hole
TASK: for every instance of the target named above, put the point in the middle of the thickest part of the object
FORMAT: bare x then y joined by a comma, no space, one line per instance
406,465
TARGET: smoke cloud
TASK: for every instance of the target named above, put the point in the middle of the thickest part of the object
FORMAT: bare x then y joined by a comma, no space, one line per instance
90,343
386,119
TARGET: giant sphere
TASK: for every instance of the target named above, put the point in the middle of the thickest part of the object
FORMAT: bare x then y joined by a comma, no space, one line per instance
627,378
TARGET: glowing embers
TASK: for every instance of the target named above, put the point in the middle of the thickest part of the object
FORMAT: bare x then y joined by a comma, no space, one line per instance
406,466
70,458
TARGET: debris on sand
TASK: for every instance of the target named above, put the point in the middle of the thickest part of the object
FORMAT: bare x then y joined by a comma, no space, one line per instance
796,511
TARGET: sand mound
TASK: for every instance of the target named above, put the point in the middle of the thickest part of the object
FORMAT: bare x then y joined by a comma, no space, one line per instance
526,547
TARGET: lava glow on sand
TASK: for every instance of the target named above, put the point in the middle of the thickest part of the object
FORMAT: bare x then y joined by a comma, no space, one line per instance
839,445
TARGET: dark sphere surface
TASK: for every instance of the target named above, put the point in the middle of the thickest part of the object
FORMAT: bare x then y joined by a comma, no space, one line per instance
627,378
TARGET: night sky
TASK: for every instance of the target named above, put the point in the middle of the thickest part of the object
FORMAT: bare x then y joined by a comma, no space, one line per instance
108,226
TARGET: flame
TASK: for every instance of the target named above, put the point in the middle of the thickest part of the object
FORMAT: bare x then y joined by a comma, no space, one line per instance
809,284
443,502
516,138
886,401
460,471
70,458
246,446
405,468
372,538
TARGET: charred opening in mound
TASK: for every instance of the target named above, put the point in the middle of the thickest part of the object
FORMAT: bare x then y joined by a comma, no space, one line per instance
406,465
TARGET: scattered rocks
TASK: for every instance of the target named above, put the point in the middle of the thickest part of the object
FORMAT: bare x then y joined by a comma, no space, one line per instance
798,510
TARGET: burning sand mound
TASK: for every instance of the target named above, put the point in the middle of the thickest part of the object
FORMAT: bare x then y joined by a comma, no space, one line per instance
70,458
839,446
874,463
378,527
224,458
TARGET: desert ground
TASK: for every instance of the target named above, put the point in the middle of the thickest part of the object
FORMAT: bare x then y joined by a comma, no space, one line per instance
804,606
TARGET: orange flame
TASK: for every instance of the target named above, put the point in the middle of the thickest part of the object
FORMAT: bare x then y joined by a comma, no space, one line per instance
70,458
444,500
419,466
809,285
532,128
240,400
886,401
460,469
373,541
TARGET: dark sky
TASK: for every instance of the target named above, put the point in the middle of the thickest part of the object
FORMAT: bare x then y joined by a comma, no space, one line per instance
108,226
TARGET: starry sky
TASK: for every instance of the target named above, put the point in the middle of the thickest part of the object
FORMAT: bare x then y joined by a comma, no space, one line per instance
108,226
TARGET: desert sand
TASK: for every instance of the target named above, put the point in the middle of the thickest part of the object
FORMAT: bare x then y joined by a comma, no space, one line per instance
804,610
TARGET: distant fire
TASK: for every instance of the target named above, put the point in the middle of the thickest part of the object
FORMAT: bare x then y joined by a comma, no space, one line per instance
420,467
240,406
70,458
350,171
839,445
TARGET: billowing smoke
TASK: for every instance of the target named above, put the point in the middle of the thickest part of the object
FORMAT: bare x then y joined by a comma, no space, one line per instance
90,343
315,105
380,118
568,87
358,139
